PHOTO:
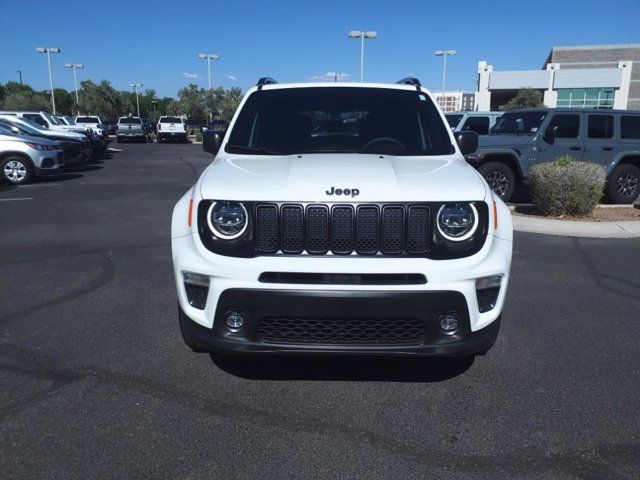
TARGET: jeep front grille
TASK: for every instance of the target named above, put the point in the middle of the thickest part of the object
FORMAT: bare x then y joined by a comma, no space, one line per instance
318,229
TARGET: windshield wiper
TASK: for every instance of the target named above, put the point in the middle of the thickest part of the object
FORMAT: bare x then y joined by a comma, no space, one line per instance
244,149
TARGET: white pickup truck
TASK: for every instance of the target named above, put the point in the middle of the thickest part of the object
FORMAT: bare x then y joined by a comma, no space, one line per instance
171,128
46,120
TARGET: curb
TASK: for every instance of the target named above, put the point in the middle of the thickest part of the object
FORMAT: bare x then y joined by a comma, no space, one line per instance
546,226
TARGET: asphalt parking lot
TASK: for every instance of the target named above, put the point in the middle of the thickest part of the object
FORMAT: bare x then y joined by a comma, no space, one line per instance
97,383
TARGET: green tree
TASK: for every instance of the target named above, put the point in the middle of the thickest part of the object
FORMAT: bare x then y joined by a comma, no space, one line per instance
526,98
191,102
226,102
65,102
104,100
26,100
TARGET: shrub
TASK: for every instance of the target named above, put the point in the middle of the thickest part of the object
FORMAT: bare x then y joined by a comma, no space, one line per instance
567,187
198,136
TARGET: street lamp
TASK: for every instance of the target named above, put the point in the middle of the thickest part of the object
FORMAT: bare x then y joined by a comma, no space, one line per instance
209,57
49,51
362,36
75,78
136,86
444,54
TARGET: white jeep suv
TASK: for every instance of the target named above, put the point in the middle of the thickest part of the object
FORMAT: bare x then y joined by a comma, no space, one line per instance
340,218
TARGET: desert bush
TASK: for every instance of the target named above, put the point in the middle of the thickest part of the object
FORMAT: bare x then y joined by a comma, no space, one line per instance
567,187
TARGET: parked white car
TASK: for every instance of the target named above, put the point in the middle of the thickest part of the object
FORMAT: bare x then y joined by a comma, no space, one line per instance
171,128
340,218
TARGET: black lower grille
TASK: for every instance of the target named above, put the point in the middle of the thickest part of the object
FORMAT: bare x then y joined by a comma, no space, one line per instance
341,331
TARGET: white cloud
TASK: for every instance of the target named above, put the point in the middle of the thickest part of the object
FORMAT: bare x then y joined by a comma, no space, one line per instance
331,76
192,76
231,77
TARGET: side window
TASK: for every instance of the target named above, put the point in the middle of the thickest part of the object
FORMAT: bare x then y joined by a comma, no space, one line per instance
36,118
630,127
568,126
480,125
600,126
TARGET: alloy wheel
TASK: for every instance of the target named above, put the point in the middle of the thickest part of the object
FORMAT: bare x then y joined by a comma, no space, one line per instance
628,185
15,171
498,182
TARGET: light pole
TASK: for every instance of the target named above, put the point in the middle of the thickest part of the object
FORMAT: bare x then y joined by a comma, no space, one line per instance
209,57
49,51
75,78
444,54
362,36
136,86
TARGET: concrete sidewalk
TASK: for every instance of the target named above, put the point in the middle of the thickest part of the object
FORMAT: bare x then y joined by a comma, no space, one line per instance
570,228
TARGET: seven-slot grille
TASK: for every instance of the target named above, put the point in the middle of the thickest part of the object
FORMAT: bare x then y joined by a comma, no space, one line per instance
318,229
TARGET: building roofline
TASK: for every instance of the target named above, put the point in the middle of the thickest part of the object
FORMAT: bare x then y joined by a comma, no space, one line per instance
598,47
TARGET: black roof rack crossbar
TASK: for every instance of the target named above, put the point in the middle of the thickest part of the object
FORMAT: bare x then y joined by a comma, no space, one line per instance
410,81
266,81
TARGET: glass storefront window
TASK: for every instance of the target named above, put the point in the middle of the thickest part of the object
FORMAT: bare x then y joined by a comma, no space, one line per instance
585,97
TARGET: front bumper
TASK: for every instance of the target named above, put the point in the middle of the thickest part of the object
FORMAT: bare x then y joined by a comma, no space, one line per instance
344,307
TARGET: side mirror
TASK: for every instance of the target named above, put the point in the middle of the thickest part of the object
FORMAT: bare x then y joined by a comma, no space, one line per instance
467,141
212,141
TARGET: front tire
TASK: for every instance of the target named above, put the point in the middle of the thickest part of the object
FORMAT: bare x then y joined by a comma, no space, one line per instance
623,185
500,178
16,170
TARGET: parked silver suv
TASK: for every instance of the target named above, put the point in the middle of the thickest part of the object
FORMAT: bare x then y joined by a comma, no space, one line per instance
23,157
523,138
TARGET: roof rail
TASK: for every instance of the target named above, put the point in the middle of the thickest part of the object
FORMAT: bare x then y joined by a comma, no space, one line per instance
266,81
410,81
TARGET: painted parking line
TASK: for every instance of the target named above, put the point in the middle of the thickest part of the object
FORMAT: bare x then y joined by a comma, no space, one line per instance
33,185
15,199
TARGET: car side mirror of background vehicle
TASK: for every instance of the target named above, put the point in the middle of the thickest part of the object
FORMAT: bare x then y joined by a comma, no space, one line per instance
467,141
212,141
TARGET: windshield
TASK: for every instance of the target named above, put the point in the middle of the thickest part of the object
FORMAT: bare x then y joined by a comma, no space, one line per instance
453,120
339,120
170,120
25,125
508,123
129,121
87,120
51,119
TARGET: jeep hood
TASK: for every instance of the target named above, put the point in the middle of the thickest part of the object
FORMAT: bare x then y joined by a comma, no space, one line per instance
503,141
307,178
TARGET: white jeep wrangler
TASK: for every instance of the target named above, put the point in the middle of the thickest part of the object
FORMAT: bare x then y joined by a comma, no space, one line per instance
340,218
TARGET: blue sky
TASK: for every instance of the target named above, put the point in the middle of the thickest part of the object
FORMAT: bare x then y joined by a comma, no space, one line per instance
157,42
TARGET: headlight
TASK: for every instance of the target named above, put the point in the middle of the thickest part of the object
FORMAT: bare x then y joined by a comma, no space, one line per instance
39,146
227,220
457,221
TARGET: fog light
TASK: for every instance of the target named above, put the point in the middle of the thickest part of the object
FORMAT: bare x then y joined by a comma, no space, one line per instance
197,288
449,323
234,320
487,291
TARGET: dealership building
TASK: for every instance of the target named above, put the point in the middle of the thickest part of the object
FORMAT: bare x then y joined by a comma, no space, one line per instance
598,76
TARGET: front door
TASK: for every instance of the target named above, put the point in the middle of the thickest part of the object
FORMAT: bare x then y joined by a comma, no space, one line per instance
563,136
